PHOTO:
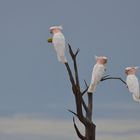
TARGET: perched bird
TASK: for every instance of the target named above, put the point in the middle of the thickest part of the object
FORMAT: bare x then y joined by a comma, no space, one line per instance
98,72
132,82
58,41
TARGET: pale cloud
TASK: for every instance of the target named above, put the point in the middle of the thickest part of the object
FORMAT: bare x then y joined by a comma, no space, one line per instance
30,127
125,129
36,127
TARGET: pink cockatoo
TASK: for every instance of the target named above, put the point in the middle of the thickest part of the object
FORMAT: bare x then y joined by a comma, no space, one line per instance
132,82
97,73
58,41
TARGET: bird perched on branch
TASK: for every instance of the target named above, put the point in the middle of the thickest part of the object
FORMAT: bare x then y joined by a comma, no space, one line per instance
132,82
98,72
58,41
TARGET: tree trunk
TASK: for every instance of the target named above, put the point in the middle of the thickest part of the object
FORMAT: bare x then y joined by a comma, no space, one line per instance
90,129
90,132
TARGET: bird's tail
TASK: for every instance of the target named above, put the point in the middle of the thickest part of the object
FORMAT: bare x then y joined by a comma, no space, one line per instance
62,59
136,98
91,88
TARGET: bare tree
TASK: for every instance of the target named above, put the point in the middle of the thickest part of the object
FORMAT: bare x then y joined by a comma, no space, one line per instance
81,106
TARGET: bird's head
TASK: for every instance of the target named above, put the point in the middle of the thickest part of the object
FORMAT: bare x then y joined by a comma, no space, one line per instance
101,59
131,70
55,29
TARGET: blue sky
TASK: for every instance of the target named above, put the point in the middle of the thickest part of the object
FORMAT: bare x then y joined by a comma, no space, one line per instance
35,89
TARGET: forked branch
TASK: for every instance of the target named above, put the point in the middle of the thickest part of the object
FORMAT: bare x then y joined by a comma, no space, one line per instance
73,56
86,120
78,96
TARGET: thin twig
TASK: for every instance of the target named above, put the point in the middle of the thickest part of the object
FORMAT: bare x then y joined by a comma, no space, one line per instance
118,78
72,112
75,64
84,91
84,105
78,50
70,73
105,76
86,83
86,88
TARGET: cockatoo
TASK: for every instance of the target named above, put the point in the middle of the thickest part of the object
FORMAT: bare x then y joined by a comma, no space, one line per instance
132,82
98,72
58,41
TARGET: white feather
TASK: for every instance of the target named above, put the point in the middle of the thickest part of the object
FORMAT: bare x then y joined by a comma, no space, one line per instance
59,46
97,74
133,86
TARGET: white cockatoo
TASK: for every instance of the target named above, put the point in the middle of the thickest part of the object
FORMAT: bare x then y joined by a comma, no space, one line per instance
98,72
58,41
132,82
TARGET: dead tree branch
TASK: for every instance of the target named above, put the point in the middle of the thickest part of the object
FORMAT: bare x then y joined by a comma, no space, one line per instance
84,105
77,131
70,74
109,78
73,56
78,96
80,103
90,101
85,89
72,112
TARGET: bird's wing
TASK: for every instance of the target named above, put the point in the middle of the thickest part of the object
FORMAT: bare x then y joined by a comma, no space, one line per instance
58,39
97,73
133,85
59,46
59,42
136,98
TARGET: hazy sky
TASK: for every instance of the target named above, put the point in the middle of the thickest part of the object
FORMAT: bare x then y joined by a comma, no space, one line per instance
34,87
